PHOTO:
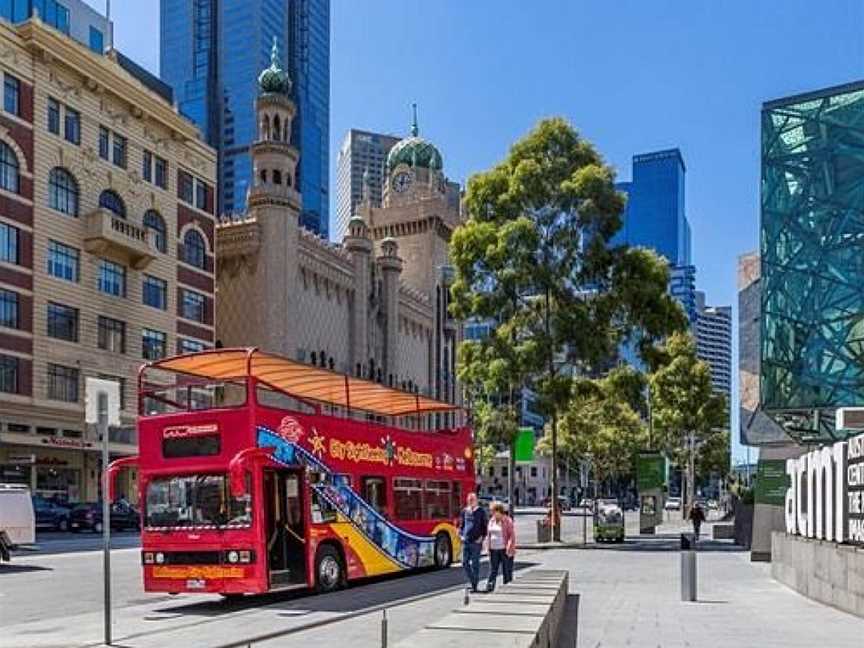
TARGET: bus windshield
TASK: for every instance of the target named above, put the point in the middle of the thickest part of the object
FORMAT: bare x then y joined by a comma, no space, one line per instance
195,500
164,392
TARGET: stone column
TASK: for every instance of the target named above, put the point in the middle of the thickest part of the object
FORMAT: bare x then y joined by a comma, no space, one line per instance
391,269
359,245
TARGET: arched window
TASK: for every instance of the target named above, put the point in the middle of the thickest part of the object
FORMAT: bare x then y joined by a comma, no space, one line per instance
277,127
63,191
265,128
10,179
288,179
194,251
263,176
112,202
286,136
154,223
277,177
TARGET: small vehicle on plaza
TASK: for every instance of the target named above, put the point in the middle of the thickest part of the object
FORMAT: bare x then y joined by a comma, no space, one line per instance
88,517
258,473
608,523
563,503
672,504
50,514
17,521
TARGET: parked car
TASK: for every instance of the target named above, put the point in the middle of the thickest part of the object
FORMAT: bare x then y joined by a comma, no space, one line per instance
50,514
563,503
88,517
586,504
673,504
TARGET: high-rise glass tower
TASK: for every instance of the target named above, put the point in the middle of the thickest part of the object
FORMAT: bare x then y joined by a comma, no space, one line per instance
211,53
655,218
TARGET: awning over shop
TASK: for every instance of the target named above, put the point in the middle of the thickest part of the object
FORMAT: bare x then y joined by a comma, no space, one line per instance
302,381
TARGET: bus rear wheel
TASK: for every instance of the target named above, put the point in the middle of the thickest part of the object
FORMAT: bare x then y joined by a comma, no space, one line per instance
329,573
443,551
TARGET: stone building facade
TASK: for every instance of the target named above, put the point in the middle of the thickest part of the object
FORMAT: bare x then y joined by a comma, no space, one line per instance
107,233
373,306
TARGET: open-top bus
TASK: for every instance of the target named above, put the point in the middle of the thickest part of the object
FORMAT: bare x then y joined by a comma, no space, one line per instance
258,473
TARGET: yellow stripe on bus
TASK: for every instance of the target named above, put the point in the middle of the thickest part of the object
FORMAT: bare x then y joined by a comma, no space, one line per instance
375,561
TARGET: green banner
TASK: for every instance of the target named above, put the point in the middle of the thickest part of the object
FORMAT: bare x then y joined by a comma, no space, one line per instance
523,445
650,471
771,482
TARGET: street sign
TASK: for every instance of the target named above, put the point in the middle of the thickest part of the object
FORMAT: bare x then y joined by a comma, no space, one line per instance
523,445
92,388
650,471
771,482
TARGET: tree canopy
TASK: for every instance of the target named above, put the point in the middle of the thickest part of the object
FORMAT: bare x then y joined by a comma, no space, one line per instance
535,256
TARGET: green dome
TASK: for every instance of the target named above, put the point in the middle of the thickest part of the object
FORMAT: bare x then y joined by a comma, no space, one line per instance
274,79
415,151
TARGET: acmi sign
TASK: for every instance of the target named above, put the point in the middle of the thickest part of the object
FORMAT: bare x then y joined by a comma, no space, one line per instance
826,497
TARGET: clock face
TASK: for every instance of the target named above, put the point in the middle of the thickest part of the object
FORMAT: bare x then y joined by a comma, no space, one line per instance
402,181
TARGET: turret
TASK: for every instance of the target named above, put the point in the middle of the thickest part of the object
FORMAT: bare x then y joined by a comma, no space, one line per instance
359,244
391,268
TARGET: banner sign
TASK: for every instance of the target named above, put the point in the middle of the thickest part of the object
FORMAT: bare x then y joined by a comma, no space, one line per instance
523,445
650,471
771,482
826,497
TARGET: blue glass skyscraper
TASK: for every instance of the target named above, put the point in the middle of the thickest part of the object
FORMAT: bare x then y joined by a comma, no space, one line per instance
655,218
211,54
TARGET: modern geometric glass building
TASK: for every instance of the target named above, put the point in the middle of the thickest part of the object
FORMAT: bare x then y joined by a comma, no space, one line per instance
211,54
812,239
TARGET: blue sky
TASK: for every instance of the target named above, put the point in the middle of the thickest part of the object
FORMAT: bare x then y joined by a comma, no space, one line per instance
632,76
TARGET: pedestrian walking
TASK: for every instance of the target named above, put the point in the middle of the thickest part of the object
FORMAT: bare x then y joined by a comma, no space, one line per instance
472,531
501,541
697,517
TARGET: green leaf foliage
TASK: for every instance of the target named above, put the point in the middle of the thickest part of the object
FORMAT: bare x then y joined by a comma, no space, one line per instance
683,400
534,256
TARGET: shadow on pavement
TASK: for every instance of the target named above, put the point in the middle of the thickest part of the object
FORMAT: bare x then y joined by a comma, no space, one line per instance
369,592
670,543
20,569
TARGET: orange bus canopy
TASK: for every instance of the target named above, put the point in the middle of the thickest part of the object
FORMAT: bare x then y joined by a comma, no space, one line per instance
302,381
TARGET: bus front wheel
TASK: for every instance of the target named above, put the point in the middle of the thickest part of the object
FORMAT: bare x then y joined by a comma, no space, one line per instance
443,551
329,573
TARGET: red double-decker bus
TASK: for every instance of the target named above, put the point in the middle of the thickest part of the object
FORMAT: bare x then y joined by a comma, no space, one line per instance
258,473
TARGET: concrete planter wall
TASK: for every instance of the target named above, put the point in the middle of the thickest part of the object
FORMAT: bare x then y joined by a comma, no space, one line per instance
824,571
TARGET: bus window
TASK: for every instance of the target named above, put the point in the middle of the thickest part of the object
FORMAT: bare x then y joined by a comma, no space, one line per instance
322,510
436,500
205,445
457,499
375,493
408,499
268,397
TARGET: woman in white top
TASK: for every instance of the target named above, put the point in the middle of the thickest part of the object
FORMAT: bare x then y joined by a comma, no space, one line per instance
501,542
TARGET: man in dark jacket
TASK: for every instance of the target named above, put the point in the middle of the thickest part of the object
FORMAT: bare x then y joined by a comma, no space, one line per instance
472,531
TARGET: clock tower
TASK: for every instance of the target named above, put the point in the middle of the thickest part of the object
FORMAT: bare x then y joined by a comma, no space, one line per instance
420,209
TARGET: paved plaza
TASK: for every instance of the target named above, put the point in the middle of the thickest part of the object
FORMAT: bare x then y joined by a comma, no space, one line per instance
628,596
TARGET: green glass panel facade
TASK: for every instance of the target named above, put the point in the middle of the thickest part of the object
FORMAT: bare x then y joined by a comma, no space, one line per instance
812,246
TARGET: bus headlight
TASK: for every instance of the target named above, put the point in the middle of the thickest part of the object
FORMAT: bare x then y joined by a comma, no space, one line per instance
148,557
233,557
245,556
160,558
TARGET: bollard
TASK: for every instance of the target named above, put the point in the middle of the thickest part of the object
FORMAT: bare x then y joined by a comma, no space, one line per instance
465,598
384,628
688,575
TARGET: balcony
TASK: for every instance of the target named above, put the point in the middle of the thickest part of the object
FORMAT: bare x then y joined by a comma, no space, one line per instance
106,232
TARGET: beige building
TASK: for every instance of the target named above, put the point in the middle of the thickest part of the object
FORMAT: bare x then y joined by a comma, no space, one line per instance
106,250
374,305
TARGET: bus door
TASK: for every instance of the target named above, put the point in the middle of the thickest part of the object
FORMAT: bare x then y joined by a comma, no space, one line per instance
285,527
